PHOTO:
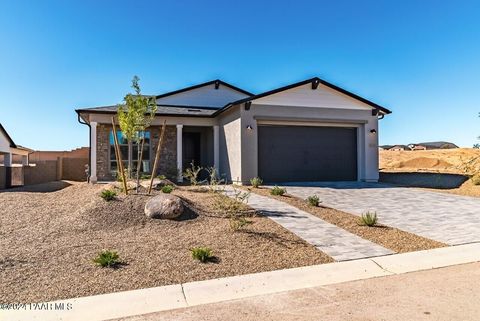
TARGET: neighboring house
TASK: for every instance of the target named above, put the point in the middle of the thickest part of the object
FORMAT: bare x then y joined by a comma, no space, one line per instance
417,147
385,147
399,147
307,131
433,145
8,149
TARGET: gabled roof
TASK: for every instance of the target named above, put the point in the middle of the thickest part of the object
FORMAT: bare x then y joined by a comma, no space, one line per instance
208,83
10,140
313,81
212,111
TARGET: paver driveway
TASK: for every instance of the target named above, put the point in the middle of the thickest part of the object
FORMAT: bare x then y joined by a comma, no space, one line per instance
448,218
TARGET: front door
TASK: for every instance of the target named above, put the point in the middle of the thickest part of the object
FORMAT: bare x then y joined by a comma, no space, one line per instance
191,149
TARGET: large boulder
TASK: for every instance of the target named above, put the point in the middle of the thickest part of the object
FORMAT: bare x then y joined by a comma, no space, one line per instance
164,206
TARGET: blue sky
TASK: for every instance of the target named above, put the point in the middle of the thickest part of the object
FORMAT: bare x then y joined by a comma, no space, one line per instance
421,59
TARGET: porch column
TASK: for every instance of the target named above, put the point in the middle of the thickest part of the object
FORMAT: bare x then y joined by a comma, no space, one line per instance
216,148
179,153
93,152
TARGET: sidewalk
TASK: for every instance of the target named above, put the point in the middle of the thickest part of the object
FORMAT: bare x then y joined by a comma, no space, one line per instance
144,301
441,294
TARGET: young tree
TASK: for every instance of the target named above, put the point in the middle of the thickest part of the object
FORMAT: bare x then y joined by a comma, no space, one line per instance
134,116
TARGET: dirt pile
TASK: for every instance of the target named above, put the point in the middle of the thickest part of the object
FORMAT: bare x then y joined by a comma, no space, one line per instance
424,163
454,161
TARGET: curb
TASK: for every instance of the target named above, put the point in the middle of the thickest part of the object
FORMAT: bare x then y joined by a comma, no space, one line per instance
143,301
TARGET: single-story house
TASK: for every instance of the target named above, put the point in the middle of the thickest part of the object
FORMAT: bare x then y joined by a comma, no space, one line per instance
307,131
399,148
8,149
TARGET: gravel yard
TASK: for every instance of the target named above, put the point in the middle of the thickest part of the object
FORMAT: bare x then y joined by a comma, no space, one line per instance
50,233
391,238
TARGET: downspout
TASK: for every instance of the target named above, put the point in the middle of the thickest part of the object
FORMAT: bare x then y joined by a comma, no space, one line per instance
89,144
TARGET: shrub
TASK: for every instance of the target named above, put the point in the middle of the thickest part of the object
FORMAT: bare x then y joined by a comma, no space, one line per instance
203,254
476,179
256,182
313,200
237,223
369,219
161,177
232,206
167,189
279,191
107,259
214,179
145,176
192,174
108,194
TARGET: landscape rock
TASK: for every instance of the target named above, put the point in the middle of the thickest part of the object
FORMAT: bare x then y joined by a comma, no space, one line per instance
164,206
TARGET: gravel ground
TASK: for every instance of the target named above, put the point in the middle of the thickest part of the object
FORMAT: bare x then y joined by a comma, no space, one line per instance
391,238
50,233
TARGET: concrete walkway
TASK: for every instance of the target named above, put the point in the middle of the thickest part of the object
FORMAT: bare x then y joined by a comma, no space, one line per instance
447,218
328,238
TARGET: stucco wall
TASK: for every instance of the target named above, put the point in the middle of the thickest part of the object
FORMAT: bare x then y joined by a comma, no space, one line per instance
361,119
230,145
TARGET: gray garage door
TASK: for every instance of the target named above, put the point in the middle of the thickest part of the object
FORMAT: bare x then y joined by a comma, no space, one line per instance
300,154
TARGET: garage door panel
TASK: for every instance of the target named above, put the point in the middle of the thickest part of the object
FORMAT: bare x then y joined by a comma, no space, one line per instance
294,153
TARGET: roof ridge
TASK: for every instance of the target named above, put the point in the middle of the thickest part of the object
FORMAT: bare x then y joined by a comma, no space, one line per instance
211,82
304,82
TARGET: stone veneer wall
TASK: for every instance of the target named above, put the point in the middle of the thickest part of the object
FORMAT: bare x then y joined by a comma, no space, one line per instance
168,157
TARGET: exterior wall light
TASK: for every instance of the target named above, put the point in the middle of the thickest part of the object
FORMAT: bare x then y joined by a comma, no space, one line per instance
249,127
373,131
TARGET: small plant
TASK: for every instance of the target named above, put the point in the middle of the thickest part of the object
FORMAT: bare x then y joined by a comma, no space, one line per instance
108,194
476,179
232,206
192,174
167,189
107,259
369,219
278,191
214,179
161,177
237,223
313,200
256,182
145,176
203,254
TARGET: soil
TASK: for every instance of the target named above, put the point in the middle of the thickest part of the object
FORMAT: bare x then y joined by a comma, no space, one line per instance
50,233
391,238
461,161
453,161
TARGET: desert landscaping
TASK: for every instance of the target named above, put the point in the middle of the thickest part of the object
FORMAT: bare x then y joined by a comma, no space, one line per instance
47,245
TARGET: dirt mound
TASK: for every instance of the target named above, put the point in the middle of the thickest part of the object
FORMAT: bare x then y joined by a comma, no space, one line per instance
454,161
425,163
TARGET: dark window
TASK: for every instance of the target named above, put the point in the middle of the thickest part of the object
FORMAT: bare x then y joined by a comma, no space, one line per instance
129,152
